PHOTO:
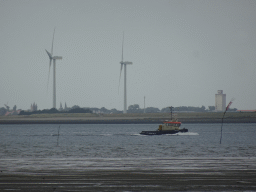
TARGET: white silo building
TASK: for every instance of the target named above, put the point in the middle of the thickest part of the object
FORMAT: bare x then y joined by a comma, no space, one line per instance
220,101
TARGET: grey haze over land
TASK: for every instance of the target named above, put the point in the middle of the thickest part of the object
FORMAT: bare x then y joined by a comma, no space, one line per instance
182,52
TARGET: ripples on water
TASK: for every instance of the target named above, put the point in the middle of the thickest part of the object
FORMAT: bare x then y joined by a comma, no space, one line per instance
124,141
110,141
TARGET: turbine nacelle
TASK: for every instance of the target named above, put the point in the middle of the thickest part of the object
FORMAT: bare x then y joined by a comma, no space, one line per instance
126,62
57,57
53,57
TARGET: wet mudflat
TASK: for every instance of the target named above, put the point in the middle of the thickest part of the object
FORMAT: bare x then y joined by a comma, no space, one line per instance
128,174
120,180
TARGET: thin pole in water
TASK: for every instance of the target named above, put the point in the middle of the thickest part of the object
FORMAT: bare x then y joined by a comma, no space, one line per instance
223,118
58,136
221,127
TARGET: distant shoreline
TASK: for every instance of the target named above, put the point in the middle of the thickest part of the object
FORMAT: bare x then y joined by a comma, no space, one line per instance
116,121
136,118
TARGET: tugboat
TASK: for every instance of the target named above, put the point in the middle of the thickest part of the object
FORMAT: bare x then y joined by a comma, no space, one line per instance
168,127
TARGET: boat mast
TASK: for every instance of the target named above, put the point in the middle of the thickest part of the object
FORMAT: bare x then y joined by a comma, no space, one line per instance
171,111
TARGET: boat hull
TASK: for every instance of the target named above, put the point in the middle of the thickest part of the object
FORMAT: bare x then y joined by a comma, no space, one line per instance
163,132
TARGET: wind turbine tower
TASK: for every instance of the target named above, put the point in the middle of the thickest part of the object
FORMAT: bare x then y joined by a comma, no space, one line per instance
54,58
124,63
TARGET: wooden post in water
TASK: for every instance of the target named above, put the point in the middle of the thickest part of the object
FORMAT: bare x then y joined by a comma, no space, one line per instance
58,136
223,117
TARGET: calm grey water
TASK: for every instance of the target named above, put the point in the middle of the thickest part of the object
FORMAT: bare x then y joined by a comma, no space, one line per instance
81,145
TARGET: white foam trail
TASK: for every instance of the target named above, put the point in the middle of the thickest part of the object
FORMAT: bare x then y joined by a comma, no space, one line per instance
187,133
180,134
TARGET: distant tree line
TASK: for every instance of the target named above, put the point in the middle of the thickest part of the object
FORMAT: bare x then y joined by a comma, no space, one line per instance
131,109
53,110
3,111
136,109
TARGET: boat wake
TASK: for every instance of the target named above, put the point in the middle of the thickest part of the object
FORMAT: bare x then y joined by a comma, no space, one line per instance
187,133
183,134
176,134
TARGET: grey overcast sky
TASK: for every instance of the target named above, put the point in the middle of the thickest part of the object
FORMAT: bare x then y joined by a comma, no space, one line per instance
183,51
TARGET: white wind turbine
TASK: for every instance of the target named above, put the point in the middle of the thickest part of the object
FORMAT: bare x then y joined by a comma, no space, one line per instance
124,63
54,58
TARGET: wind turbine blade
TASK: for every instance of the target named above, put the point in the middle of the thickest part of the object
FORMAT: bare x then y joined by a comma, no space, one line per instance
123,48
49,54
121,61
52,41
120,77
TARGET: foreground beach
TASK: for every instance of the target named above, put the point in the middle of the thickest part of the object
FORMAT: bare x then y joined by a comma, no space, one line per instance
113,180
195,174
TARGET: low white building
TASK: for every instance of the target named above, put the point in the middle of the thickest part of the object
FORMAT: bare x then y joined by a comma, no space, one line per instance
220,101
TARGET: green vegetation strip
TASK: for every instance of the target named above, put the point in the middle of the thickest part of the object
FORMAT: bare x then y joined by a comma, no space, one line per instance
128,118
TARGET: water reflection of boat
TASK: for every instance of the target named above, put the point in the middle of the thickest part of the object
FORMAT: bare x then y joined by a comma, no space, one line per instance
168,127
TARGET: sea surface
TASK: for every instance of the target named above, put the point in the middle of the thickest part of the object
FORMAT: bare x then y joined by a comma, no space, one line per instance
38,147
